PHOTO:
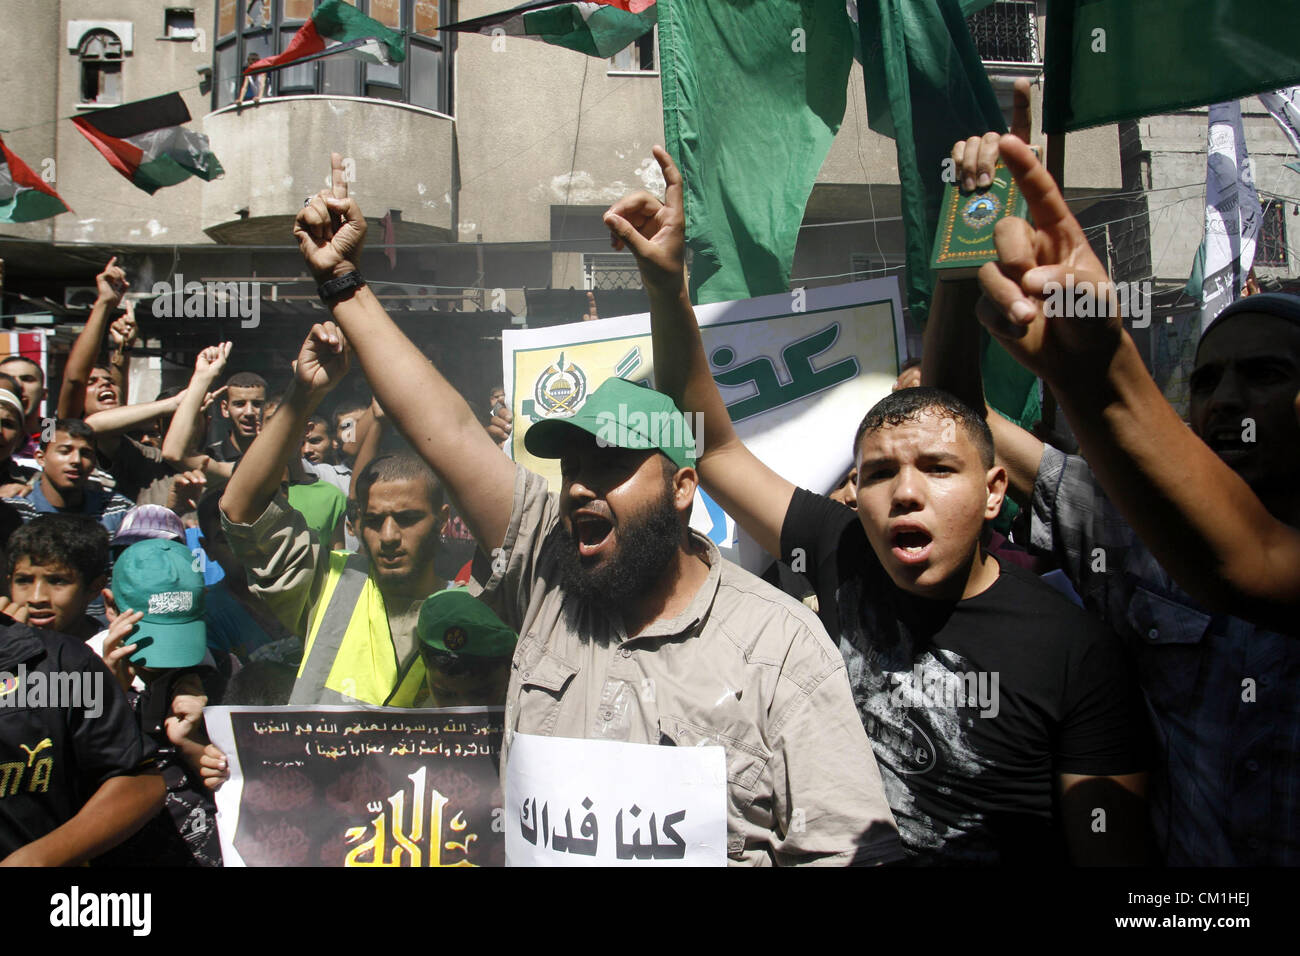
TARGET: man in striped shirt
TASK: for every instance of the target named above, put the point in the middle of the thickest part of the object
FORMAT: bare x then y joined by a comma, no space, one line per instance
67,460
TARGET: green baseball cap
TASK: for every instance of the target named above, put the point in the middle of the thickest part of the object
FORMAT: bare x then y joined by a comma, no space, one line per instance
453,622
157,576
623,415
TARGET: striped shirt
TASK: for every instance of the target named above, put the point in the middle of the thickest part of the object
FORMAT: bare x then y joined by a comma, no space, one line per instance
105,507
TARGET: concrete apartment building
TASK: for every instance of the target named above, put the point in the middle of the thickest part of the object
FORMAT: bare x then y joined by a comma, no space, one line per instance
493,159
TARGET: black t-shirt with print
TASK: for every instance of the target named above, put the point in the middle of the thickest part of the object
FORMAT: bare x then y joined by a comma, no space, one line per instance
56,751
972,707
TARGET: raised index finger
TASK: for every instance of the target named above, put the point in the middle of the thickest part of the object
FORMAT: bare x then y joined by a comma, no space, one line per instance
672,179
1046,204
337,182
1021,126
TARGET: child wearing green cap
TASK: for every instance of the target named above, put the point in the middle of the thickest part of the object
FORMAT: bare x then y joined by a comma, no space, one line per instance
157,648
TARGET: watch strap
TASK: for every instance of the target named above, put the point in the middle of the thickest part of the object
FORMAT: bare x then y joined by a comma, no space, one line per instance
332,290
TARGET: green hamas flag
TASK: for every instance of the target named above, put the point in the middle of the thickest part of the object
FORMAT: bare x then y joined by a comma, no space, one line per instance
1111,60
753,92
926,87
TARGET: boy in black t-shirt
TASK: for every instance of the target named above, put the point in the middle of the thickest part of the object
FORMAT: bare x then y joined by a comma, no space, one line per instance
1006,723
76,776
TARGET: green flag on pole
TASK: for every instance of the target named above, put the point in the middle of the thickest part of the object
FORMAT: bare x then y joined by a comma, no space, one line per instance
926,87
1112,60
753,94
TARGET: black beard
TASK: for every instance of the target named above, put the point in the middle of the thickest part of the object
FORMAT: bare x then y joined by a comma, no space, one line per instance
646,546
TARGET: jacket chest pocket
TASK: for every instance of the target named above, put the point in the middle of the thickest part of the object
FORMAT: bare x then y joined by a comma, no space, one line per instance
544,679
746,762
1171,642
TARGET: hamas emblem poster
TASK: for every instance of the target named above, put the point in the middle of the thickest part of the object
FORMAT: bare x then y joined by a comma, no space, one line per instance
793,368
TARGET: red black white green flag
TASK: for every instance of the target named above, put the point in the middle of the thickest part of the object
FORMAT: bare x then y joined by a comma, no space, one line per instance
145,141
600,28
24,196
337,27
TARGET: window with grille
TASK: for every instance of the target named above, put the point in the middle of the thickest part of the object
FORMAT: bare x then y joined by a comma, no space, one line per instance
1006,32
1270,247
101,68
609,271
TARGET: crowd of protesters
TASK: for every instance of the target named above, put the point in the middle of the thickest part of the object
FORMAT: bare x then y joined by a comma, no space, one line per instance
1114,680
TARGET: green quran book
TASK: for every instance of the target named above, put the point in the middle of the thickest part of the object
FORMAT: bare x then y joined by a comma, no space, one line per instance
964,240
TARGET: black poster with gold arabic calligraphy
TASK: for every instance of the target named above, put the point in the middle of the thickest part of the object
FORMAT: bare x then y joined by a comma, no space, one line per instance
340,787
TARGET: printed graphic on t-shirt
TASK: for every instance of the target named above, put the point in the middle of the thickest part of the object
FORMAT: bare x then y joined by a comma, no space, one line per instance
31,775
918,709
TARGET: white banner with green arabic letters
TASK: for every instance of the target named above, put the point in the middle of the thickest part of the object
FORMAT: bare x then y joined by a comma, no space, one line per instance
797,371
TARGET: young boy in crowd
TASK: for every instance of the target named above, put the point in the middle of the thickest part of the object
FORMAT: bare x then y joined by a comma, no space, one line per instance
243,406
67,458
57,567
76,776
156,648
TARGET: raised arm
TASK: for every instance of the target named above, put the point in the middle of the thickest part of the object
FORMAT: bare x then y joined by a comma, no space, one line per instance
951,360
369,447
431,414
322,363
180,443
121,336
114,421
1199,518
111,285
655,231
950,357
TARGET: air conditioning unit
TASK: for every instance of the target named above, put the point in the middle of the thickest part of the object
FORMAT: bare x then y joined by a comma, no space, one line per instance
79,296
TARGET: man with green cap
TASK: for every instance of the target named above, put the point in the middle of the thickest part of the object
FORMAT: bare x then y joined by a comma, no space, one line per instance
466,651
632,626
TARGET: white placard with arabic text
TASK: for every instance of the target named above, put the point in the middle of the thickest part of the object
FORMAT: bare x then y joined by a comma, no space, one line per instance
605,803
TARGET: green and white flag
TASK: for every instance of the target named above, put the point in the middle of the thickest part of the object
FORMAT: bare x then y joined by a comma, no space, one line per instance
337,27
24,196
1284,106
597,28
147,143
1232,214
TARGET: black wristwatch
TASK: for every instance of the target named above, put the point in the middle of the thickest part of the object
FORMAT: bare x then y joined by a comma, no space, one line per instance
335,290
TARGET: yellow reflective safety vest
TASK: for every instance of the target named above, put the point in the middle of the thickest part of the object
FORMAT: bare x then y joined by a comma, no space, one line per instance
349,655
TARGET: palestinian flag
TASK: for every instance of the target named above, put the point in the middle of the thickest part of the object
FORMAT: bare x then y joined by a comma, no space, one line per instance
600,28
145,142
24,197
337,27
